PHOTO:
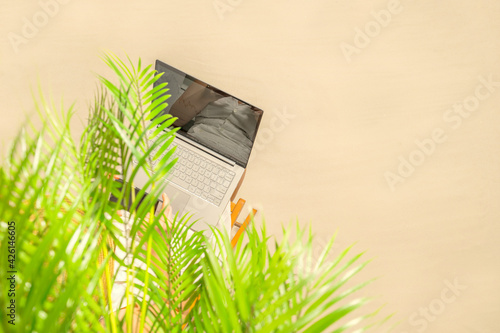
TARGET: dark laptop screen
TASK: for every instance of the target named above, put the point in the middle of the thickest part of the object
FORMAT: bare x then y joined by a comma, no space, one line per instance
210,116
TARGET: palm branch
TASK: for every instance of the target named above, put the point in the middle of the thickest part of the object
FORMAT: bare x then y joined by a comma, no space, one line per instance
68,234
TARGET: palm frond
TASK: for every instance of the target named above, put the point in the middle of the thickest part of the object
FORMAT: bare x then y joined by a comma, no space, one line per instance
41,192
72,245
258,289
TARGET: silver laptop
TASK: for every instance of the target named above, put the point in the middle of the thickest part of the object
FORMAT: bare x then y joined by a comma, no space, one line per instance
216,135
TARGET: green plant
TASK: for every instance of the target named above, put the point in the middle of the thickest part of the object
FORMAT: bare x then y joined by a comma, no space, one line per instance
57,191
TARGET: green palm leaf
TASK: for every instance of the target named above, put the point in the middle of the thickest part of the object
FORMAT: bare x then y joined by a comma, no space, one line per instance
69,234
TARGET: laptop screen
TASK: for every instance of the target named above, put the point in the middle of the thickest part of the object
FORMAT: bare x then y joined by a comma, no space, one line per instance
210,116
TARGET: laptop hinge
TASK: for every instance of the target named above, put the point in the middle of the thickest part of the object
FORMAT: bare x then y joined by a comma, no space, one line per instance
208,151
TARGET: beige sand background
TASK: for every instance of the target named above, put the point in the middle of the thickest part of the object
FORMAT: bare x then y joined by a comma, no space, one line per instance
343,108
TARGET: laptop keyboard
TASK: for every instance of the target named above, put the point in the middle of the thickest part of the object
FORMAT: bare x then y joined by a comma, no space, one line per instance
198,175
201,176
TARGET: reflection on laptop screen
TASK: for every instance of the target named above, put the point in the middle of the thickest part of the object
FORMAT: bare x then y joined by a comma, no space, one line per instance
209,116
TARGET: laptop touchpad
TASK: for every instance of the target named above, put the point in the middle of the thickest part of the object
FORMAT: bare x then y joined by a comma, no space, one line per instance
178,199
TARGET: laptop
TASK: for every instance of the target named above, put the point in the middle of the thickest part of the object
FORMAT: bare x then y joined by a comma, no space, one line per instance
216,136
